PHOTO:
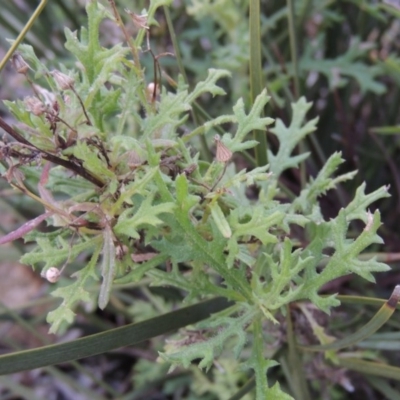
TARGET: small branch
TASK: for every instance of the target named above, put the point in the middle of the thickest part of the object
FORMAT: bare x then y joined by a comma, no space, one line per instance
79,170
134,51
83,106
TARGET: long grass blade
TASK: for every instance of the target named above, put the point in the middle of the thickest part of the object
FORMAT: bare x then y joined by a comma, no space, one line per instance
109,340
379,319
22,34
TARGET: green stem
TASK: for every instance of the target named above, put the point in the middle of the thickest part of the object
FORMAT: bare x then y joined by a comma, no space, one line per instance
293,47
296,88
203,142
22,34
256,84
298,381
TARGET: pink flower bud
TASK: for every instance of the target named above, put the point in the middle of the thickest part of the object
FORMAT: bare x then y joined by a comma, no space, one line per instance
52,274
223,153
34,105
64,82
20,64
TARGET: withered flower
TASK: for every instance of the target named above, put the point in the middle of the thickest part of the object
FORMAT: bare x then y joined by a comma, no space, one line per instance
140,21
63,81
223,153
34,105
20,65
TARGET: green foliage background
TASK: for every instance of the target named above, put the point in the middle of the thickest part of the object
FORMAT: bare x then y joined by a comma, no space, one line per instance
264,237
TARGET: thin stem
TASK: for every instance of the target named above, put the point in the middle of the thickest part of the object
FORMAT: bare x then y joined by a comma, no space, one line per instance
256,81
298,380
175,43
203,142
52,158
296,88
22,34
128,40
293,47
83,106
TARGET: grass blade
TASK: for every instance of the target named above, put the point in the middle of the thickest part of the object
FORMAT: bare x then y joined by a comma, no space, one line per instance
109,340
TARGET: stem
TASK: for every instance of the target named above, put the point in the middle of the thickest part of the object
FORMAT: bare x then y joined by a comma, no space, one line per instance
293,47
296,88
22,34
52,158
203,142
128,40
256,84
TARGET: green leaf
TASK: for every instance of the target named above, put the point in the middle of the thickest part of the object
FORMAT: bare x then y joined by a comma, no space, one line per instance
220,220
347,65
289,137
220,330
108,267
261,221
91,161
209,85
131,220
261,365
321,184
109,340
247,123
55,251
168,117
72,294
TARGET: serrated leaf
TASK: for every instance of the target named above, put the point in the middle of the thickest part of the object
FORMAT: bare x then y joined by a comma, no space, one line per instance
207,349
347,65
91,161
247,123
168,117
53,252
130,220
356,209
72,294
321,184
289,137
137,187
261,220
209,84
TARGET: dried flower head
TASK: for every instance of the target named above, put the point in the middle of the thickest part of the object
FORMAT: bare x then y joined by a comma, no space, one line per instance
223,153
34,105
20,65
48,97
140,21
53,274
63,81
134,159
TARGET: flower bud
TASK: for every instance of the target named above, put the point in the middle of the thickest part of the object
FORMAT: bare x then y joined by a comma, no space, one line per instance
52,275
140,21
134,159
20,64
34,105
153,92
223,153
64,82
